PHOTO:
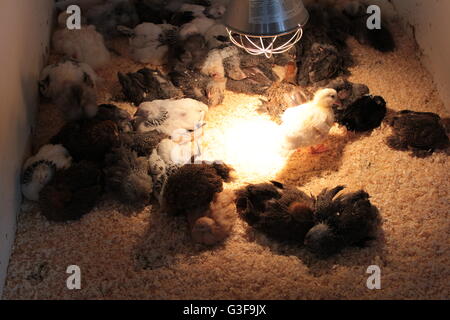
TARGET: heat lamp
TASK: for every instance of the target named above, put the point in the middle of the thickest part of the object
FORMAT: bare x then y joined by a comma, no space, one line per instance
266,26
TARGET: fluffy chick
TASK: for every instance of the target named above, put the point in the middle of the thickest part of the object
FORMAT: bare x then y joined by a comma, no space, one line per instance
142,143
283,213
88,139
365,114
166,116
281,96
419,132
215,224
71,86
72,193
127,177
192,188
113,113
106,17
85,45
148,42
309,124
147,85
39,169
347,220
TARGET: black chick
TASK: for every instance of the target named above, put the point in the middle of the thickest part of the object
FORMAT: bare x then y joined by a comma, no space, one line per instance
346,220
147,85
420,132
142,143
365,114
283,213
193,186
113,113
127,177
88,139
72,193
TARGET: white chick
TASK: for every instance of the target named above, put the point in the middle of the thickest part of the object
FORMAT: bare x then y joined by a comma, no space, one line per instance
145,42
196,26
72,87
85,45
309,124
213,65
166,116
40,169
180,149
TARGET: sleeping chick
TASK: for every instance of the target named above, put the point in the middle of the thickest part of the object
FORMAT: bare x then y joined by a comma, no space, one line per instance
166,116
72,193
127,176
196,191
142,143
309,124
283,213
39,169
147,42
180,149
84,45
215,224
346,220
147,85
88,139
365,114
113,113
420,132
71,86
106,17
193,84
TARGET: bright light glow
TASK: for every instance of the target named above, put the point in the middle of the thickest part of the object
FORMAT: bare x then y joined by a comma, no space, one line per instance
250,146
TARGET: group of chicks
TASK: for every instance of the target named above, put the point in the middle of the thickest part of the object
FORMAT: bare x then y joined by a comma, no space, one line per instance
190,63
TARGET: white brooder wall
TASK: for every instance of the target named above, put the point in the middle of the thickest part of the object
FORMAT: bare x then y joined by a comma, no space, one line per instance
427,21
24,35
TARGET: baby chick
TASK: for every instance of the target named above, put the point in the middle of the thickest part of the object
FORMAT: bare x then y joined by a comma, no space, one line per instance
127,176
166,116
113,113
85,45
420,132
347,220
147,85
71,86
196,191
309,124
147,43
282,212
363,115
72,193
88,139
40,169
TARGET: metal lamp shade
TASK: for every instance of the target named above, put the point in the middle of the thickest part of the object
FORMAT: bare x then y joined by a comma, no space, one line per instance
265,18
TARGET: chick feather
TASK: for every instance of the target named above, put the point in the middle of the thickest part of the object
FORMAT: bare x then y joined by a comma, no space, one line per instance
39,169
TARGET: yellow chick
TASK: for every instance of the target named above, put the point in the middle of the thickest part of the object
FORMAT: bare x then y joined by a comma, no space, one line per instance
309,124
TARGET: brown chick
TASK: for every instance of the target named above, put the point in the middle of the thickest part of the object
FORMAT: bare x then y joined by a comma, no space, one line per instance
420,132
